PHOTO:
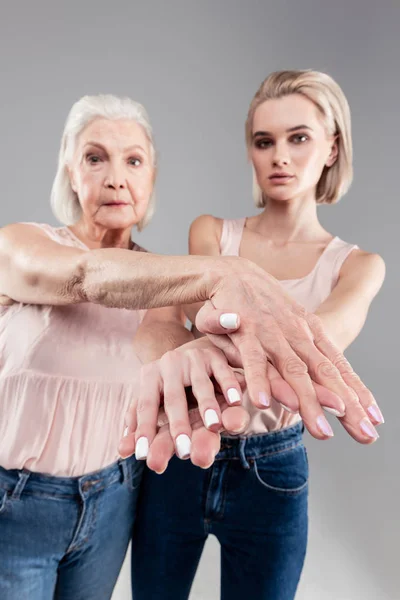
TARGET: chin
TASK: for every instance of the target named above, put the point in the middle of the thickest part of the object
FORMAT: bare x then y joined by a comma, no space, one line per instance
117,222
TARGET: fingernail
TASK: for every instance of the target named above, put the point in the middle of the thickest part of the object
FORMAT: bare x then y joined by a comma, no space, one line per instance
324,426
289,410
210,418
142,448
263,399
333,411
369,429
126,431
375,413
183,445
233,396
229,320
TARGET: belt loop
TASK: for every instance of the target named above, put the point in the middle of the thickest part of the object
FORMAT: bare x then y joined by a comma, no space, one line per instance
125,470
23,477
242,454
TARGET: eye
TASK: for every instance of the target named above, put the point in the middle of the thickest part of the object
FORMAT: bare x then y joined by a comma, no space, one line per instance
299,138
135,161
93,159
262,144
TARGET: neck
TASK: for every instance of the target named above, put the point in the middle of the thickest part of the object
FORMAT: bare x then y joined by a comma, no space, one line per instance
293,220
94,236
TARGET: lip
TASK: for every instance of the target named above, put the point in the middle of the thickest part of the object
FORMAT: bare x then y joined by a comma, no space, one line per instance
280,177
116,203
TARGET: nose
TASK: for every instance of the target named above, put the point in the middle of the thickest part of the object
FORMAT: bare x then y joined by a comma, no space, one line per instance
281,157
115,178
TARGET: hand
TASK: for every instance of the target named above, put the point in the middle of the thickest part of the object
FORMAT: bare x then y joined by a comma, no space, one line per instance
273,327
207,372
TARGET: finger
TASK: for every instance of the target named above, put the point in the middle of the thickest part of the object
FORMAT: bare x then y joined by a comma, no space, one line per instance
226,378
281,390
235,419
254,360
329,401
213,320
205,446
161,450
127,444
6,301
350,379
175,403
365,396
147,408
203,391
294,372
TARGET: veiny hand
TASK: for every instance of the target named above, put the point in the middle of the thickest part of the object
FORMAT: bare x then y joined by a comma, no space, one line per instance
273,327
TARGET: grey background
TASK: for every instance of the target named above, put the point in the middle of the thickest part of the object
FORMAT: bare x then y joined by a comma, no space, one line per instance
195,66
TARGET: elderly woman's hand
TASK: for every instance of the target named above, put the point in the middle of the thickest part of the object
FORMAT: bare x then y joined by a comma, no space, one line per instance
160,420
273,327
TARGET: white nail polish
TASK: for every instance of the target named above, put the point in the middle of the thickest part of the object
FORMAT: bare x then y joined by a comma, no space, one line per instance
126,431
210,418
183,445
289,410
142,448
333,411
233,396
229,320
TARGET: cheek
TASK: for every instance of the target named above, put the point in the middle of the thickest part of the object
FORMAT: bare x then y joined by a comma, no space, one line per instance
141,187
89,186
259,161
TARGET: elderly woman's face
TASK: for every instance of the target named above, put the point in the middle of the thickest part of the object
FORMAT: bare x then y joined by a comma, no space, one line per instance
112,172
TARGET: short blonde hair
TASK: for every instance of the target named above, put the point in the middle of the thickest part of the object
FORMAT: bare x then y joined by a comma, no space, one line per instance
329,98
64,201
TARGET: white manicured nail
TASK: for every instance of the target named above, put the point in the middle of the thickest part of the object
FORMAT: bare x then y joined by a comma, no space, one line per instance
333,411
210,418
233,396
183,445
142,448
229,321
289,410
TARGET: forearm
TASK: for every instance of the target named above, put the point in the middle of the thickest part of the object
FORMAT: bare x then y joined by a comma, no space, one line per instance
135,280
340,330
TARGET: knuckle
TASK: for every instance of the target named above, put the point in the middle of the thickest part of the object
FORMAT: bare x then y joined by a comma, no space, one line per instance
326,370
343,365
294,367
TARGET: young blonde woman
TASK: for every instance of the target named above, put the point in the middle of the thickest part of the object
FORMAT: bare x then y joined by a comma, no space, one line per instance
254,497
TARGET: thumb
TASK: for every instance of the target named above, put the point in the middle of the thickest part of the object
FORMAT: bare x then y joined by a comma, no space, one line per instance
213,320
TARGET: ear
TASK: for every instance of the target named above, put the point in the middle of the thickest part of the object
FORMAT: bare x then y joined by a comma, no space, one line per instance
334,153
71,178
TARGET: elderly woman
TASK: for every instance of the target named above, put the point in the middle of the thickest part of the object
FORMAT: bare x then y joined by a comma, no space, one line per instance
73,298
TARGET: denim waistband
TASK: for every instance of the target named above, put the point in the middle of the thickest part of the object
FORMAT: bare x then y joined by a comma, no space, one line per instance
15,481
254,446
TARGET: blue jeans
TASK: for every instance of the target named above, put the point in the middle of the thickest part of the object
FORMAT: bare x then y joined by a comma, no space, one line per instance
253,499
65,537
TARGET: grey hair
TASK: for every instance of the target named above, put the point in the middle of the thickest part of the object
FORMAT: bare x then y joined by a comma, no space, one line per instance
64,201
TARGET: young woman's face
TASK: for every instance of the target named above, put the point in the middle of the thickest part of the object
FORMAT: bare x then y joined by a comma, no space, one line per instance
112,173
290,147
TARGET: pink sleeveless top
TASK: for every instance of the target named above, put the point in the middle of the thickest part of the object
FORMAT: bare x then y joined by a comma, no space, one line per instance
66,381
309,291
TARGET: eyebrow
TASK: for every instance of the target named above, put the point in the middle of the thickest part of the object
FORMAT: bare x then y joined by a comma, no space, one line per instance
290,130
127,149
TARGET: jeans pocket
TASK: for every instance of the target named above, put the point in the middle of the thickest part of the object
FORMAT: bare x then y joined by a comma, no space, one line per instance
284,473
